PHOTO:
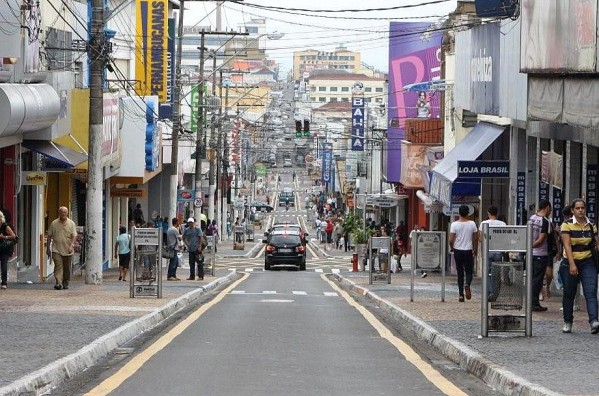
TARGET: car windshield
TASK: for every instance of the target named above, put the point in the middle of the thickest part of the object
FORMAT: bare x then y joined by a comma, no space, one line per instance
285,239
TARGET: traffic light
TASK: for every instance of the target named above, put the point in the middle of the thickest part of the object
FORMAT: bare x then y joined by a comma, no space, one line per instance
306,128
298,129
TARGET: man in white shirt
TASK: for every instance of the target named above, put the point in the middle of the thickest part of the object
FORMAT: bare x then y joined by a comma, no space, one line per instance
463,242
492,221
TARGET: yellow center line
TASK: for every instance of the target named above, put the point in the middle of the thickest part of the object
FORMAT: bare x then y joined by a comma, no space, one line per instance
125,372
430,373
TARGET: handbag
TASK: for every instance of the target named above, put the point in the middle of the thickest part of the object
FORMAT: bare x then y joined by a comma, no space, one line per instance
168,252
7,244
594,250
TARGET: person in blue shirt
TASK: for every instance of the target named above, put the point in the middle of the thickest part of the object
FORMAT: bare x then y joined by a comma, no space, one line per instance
192,237
122,247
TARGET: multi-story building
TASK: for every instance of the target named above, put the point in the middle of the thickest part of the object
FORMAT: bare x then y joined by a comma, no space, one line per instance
338,59
325,87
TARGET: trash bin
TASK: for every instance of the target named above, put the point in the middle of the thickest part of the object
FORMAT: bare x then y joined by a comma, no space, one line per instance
506,285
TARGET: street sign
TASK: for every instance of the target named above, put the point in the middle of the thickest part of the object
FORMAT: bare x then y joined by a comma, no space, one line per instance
197,203
147,236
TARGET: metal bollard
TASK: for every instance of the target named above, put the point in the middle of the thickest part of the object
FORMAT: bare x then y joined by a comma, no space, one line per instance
354,262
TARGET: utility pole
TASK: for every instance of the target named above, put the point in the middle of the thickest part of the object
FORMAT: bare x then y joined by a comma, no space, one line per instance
199,196
174,179
213,148
93,214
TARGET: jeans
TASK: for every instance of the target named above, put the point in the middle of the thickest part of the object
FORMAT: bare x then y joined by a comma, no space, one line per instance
587,276
539,265
196,257
464,262
4,270
172,267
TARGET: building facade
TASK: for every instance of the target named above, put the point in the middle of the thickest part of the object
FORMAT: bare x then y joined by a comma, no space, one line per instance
338,59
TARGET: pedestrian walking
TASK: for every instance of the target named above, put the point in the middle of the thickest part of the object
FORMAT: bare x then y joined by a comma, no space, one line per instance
60,246
540,254
6,233
463,242
138,215
192,238
213,231
579,235
494,275
122,247
172,242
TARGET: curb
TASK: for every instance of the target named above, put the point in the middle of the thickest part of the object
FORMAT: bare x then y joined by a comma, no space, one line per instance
52,375
472,361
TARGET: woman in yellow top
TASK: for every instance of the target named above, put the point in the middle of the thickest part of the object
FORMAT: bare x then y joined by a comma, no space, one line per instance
577,235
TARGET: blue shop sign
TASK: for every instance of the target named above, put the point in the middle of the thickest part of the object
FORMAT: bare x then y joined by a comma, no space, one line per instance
483,169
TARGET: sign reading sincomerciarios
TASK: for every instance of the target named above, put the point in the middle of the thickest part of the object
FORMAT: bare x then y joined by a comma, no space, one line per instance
483,169
151,46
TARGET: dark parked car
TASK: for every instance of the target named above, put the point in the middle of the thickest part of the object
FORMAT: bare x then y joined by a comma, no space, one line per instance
284,248
261,206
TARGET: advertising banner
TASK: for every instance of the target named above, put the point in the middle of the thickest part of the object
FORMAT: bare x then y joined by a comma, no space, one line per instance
327,159
357,123
557,206
558,36
412,160
111,132
591,196
414,57
166,109
521,198
151,45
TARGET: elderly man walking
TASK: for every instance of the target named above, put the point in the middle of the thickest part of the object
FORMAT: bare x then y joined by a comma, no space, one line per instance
60,246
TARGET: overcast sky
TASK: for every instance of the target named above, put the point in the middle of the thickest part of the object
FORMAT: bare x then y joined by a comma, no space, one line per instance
368,36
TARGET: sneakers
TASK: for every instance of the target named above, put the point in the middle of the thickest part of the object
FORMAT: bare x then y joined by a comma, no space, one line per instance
3,287
595,327
424,275
461,299
567,327
539,308
468,292
172,278
57,287
191,278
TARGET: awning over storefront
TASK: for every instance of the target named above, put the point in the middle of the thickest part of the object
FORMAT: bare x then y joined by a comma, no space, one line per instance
444,181
58,156
431,205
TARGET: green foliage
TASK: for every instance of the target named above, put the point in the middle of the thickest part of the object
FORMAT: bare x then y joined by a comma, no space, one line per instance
354,226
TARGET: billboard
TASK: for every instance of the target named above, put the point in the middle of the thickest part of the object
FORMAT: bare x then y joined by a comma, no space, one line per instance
558,36
414,57
151,59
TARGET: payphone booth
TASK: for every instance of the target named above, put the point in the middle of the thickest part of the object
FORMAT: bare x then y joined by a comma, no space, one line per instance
145,279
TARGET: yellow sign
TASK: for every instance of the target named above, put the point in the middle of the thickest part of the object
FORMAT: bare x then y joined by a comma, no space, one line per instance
151,48
34,178
128,192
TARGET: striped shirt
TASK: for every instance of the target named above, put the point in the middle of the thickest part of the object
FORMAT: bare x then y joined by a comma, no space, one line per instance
581,235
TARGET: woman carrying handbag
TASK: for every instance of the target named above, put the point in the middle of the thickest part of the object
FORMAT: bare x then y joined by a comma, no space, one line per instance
6,248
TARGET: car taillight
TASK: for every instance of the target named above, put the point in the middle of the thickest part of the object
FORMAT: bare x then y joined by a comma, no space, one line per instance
300,249
270,248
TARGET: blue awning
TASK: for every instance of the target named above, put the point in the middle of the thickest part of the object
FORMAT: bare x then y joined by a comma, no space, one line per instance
58,156
444,178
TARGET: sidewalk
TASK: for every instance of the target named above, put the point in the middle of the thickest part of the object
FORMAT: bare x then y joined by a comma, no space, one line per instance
97,319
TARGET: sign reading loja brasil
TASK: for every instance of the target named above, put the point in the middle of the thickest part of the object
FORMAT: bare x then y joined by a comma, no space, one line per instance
483,169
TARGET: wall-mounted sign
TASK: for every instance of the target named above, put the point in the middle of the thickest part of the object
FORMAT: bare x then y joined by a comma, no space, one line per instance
34,178
591,195
128,193
483,169
357,123
521,198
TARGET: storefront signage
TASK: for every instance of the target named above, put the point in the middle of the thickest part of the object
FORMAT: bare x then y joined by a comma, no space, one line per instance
382,202
543,191
591,196
186,195
483,169
327,157
34,178
521,198
557,206
357,123
128,193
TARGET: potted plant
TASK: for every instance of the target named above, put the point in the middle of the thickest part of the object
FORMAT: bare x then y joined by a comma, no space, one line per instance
360,236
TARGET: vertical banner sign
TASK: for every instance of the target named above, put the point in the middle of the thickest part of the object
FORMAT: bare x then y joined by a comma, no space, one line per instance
195,100
166,109
592,192
357,123
151,47
521,198
327,156
557,206
543,191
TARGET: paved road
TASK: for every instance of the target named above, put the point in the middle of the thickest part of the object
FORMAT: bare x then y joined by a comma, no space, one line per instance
283,332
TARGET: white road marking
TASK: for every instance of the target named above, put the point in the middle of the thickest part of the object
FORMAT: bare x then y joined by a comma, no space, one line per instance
269,292
330,294
277,301
238,292
249,270
335,270
299,293
318,270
